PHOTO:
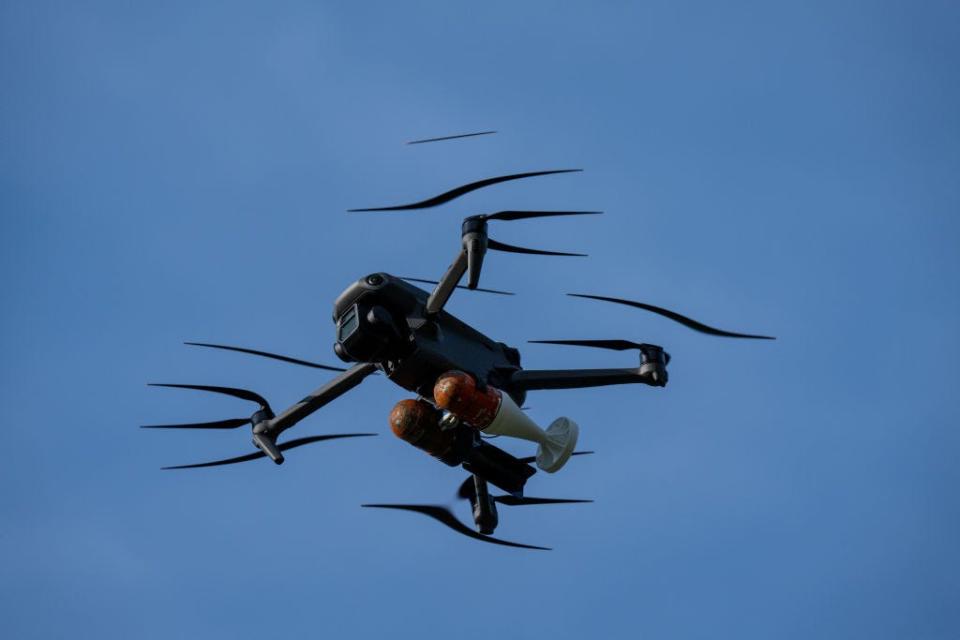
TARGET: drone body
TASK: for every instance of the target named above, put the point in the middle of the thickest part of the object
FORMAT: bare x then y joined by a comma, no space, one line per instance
467,384
384,319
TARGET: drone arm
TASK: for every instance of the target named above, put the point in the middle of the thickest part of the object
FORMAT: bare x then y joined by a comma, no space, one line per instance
322,396
531,380
447,284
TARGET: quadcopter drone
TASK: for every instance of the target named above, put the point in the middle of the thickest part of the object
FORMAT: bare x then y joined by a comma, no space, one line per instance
468,386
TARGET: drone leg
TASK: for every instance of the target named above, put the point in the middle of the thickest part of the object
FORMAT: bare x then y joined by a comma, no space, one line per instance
484,508
532,380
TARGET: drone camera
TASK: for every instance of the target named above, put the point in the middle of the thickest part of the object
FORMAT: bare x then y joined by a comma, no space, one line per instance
367,333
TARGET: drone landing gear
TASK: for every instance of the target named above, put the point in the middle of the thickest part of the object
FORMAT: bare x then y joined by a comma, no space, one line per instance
484,507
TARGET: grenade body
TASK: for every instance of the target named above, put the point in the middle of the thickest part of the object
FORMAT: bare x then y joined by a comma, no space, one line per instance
457,392
418,422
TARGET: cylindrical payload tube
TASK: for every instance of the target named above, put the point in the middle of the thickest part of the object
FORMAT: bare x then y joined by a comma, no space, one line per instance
418,422
457,393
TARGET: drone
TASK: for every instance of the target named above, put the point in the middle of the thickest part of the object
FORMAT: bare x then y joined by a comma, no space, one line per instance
468,387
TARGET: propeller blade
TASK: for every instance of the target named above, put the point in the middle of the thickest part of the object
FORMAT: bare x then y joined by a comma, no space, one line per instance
445,516
266,354
232,423
523,215
676,317
615,345
513,501
217,463
243,394
499,246
443,198
461,135
285,446
533,459
502,293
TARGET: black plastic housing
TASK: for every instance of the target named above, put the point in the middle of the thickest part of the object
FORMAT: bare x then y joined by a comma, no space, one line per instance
498,467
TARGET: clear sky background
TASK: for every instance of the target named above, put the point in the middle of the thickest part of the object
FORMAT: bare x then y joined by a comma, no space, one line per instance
180,171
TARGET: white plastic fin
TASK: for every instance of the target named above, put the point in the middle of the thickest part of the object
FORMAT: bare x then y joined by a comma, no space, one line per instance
561,440
556,443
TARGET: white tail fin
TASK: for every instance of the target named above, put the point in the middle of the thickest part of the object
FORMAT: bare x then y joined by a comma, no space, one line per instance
556,443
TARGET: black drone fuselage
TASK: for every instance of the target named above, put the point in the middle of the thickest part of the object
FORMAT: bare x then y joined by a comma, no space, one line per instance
384,320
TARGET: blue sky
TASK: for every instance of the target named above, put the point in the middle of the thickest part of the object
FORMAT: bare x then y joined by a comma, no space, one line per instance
180,171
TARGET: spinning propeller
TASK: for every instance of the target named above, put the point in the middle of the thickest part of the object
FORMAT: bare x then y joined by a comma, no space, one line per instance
444,515
456,192
472,223
615,345
666,313
476,241
259,420
653,359
467,491
424,281
453,137
266,354
283,446
231,423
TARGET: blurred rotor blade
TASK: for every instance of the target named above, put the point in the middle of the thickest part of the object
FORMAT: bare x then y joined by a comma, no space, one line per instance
217,463
454,137
502,293
266,354
513,501
445,516
499,246
243,394
533,459
676,317
299,442
523,215
289,444
464,189
616,345
232,423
